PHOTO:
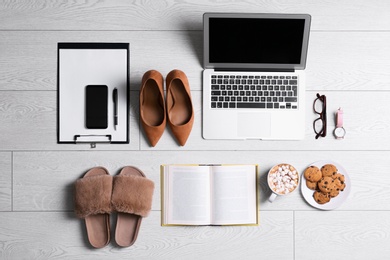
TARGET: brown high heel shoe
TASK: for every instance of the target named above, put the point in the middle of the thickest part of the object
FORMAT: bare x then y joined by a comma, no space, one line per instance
179,105
152,106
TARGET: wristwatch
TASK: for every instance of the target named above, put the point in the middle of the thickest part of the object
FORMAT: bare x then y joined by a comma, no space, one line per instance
339,132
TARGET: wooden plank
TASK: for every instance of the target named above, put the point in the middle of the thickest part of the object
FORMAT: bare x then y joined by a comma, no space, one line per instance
336,61
348,61
31,117
183,15
30,58
365,121
43,181
29,121
5,181
61,235
342,235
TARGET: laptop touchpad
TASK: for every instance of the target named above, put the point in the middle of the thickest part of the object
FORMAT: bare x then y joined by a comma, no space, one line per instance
253,125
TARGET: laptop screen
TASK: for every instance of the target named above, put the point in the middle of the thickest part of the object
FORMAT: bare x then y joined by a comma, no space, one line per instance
256,40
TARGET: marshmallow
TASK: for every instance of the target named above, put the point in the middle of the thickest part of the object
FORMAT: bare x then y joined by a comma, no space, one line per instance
283,179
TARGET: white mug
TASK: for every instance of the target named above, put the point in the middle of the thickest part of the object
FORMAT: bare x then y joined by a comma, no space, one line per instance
282,179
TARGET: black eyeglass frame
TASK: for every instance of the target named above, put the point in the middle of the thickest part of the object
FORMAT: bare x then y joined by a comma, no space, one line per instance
322,115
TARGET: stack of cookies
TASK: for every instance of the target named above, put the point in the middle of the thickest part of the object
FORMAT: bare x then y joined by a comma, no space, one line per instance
326,182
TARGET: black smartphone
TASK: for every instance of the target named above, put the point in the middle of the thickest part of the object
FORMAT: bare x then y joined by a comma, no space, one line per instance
96,104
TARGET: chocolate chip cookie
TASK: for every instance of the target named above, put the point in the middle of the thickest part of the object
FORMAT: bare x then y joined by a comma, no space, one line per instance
321,197
326,184
311,185
328,170
312,173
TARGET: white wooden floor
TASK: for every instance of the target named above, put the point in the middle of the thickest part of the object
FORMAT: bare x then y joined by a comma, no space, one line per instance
348,61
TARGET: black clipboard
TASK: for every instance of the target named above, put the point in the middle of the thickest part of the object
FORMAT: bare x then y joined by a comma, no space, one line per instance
91,65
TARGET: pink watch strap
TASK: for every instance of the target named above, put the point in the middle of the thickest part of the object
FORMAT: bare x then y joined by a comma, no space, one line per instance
339,118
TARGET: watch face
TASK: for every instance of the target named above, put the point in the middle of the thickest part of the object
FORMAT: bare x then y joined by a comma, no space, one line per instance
339,132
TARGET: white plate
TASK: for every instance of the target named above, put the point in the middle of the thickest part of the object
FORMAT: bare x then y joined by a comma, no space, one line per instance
334,202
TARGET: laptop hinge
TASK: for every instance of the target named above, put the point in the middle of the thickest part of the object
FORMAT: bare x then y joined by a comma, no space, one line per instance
254,70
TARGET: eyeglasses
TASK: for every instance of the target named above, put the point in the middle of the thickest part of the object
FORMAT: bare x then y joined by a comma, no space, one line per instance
319,125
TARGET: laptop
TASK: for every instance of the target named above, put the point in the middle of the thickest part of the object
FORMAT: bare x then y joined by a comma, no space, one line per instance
253,78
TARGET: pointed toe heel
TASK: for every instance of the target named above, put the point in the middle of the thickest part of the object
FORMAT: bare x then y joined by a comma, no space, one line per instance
152,106
180,110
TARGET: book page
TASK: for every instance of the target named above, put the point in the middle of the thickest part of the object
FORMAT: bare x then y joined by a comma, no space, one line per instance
187,195
234,194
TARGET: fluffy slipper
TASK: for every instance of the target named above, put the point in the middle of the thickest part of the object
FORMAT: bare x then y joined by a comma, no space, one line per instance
92,202
132,198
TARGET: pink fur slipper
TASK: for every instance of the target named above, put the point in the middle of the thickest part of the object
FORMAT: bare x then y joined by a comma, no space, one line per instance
92,202
132,198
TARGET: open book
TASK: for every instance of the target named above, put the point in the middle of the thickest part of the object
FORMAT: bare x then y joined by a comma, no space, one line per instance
209,195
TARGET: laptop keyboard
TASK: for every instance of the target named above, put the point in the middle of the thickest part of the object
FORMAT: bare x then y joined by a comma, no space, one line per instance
262,92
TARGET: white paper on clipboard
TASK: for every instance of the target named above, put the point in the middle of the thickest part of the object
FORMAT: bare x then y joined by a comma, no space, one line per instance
82,64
